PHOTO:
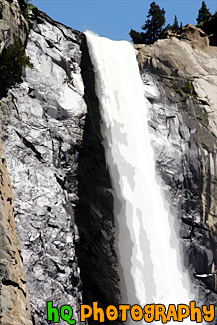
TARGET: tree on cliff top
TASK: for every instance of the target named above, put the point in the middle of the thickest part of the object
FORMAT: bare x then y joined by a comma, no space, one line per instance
203,14
175,25
153,27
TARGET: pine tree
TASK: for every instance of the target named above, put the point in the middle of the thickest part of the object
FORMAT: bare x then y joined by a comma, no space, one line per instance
138,38
153,27
203,14
175,25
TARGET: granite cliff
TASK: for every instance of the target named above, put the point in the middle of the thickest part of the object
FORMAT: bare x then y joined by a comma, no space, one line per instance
183,123
62,203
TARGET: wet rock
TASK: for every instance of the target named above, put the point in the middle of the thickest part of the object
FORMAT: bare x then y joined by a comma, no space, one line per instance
183,126
94,214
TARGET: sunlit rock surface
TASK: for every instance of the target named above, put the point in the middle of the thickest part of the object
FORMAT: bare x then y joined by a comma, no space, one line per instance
14,298
53,147
42,130
15,307
180,79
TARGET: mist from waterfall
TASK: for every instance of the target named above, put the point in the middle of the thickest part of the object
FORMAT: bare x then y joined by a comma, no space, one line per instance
147,245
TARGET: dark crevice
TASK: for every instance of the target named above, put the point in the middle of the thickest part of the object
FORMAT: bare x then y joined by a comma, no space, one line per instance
94,212
28,144
8,282
60,182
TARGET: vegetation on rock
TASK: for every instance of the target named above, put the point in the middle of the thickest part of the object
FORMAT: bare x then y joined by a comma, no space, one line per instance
175,25
204,13
12,60
28,9
13,57
153,27
188,89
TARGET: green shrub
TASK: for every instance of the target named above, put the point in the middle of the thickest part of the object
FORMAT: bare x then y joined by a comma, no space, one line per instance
178,91
30,6
12,60
189,88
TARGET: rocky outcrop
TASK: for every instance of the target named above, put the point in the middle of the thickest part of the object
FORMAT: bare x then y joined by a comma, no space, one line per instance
204,34
62,192
183,123
14,299
190,33
13,25
42,122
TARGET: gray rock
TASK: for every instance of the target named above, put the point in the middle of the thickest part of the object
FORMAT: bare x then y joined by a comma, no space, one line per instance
42,131
62,191
182,121
13,26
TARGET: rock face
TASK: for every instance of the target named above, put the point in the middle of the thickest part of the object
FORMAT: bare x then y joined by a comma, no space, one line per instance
63,205
42,131
183,123
14,297
13,26
62,194
14,301
190,33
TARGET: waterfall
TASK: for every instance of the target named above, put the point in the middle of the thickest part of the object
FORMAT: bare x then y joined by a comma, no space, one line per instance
147,246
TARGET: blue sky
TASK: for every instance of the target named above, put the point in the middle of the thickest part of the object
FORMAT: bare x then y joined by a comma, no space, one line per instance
115,18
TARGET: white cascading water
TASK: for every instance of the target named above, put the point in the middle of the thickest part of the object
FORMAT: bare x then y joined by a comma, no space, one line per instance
147,246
